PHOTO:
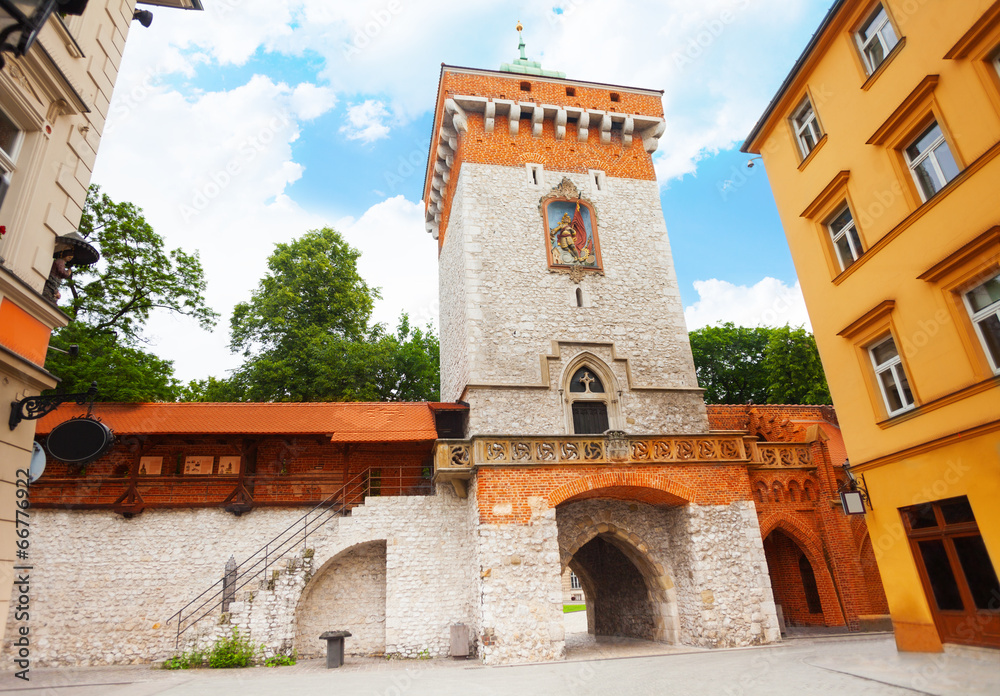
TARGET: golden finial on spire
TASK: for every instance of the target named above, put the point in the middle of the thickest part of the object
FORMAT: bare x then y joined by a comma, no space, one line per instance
519,27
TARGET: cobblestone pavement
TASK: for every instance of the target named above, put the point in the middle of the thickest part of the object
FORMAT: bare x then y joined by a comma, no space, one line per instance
855,665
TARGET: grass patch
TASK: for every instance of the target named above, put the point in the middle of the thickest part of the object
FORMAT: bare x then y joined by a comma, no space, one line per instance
188,660
570,608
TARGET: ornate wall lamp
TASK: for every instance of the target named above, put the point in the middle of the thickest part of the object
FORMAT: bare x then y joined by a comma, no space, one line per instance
854,493
22,20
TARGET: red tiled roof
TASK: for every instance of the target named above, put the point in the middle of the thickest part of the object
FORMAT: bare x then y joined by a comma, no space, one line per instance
343,422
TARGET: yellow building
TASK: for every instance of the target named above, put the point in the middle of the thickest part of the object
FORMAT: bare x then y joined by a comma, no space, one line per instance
882,149
53,103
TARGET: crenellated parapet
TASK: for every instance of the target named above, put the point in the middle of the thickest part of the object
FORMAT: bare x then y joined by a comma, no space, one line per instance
501,118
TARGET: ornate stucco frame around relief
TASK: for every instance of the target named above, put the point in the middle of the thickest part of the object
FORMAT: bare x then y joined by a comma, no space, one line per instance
568,192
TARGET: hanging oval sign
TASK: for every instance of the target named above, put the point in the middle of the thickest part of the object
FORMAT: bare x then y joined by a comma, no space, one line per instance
37,467
79,440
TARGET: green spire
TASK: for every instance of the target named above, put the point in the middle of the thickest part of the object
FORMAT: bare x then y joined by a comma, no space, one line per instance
523,65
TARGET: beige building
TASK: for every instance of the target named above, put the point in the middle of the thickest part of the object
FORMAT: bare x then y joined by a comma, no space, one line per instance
53,104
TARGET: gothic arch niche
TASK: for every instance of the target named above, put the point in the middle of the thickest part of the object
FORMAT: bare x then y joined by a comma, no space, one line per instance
799,581
590,396
346,593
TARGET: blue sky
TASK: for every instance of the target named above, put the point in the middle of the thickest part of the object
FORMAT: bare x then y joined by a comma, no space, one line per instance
254,121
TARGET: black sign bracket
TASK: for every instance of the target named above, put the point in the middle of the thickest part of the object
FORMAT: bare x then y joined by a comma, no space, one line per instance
34,407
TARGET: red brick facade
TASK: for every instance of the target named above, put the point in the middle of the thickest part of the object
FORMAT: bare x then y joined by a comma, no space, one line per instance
800,515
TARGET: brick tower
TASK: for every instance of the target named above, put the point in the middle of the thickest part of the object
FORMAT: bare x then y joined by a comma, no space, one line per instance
554,259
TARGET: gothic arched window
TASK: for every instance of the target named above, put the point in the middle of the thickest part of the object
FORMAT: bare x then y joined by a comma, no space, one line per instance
589,396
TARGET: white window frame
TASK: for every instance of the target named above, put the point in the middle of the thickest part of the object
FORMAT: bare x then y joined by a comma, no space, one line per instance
809,124
8,160
930,154
893,365
574,581
845,232
875,34
980,316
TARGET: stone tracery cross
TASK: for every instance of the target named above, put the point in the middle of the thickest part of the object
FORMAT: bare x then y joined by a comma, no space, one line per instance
586,380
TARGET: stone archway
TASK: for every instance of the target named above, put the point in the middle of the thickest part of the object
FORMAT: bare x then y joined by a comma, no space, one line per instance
628,590
347,593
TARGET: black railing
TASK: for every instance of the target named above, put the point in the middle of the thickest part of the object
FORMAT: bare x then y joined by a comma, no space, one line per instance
256,565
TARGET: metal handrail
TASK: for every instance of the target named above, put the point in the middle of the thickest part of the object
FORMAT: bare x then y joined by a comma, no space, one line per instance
272,551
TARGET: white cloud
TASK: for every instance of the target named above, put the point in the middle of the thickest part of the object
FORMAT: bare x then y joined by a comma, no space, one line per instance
211,173
766,303
366,121
398,256
718,61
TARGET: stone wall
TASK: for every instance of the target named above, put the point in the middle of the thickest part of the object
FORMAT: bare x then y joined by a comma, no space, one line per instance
521,616
103,586
502,307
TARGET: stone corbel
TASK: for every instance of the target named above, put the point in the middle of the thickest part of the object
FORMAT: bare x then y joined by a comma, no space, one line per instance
560,124
582,127
514,118
489,117
458,118
606,129
627,131
651,136
536,122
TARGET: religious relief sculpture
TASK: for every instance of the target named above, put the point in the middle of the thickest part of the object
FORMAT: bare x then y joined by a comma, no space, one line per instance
571,228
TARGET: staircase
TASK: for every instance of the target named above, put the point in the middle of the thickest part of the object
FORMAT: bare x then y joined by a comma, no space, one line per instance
290,546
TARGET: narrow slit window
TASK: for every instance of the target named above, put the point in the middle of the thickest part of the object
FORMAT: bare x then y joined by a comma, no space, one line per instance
579,297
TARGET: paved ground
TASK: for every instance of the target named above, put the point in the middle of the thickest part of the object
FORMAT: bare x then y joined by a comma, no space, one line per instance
854,665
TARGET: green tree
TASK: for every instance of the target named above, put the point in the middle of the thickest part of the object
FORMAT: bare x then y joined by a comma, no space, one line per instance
794,371
122,373
109,304
305,334
737,365
729,362
135,276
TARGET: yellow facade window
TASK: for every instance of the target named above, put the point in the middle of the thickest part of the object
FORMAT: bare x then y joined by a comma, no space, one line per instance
806,126
930,161
892,381
983,303
876,38
846,241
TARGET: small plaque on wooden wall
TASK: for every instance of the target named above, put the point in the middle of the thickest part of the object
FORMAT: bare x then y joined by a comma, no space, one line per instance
198,465
229,466
150,466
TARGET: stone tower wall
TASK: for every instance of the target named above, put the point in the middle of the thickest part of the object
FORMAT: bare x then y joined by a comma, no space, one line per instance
502,308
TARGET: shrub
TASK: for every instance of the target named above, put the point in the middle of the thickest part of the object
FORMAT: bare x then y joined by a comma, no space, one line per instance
234,651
